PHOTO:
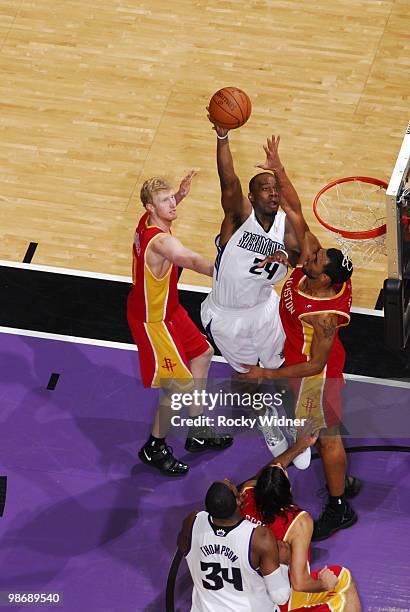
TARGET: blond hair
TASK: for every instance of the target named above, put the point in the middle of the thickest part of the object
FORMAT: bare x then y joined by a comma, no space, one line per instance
151,186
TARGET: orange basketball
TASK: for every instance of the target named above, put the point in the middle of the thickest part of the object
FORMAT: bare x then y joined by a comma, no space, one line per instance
230,108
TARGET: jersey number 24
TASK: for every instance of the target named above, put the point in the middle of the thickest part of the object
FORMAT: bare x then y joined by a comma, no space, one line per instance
270,268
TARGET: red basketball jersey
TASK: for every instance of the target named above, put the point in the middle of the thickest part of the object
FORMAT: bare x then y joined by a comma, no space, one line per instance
281,524
296,305
151,299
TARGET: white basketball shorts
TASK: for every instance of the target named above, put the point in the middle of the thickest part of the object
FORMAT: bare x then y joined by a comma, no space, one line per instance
246,335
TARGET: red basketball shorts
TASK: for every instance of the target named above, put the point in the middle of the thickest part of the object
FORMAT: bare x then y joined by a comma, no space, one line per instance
165,348
328,601
319,397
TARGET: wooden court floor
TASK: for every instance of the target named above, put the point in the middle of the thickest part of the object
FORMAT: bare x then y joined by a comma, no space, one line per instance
98,95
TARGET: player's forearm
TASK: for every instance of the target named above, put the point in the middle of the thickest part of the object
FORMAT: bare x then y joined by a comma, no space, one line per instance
199,264
307,584
179,197
224,160
286,458
298,370
292,206
292,201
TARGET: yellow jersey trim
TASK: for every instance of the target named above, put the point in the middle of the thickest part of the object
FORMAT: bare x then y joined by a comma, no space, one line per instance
311,297
157,278
338,312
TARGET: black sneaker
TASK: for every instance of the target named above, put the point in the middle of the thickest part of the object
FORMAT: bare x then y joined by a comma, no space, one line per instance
163,459
206,438
352,486
331,521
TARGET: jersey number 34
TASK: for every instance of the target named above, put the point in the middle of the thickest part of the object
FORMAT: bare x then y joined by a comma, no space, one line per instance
218,575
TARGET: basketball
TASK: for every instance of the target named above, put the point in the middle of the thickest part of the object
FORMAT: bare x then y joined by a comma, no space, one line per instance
230,108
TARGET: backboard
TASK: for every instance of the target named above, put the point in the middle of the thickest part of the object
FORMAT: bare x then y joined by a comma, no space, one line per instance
396,293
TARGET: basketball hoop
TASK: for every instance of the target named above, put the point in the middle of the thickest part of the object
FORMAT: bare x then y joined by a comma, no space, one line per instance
353,210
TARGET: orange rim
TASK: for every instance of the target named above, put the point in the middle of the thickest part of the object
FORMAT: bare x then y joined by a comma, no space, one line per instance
362,235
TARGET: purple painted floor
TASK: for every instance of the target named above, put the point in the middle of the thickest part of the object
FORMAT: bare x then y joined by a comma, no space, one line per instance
85,518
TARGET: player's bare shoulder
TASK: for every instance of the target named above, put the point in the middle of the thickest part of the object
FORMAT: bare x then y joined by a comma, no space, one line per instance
232,221
325,323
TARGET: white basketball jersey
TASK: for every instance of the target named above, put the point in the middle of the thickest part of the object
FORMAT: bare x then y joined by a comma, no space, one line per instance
220,566
237,281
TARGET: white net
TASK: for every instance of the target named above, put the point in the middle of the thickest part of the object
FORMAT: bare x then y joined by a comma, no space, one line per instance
355,206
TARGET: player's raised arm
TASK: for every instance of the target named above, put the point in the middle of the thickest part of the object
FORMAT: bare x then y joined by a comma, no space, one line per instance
297,230
234,203
306,438
173,250
185,186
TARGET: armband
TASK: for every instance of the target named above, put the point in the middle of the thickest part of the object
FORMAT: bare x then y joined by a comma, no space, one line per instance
277,585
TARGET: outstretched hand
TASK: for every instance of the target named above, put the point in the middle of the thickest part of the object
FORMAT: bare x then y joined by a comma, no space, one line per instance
185,185
253,372
271,149
218,129
278,257
308,433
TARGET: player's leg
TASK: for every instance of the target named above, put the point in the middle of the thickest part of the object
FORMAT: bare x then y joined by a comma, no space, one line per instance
267,339
156,452
200,365
230,333
337,514
333,454
198,353
158,357
352,599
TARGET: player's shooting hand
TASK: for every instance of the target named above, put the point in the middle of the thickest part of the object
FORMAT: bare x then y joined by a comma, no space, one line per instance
284,552
328,578
185,185
271,149
218,129
278,257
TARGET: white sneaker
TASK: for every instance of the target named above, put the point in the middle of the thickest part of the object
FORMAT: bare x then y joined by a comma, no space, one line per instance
302,461
274,438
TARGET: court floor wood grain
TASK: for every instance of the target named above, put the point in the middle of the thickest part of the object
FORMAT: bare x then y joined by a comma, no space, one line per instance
96,96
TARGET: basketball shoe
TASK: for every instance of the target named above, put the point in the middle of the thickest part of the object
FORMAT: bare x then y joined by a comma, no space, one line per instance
331,520
206,438
161,457
274,438
302,461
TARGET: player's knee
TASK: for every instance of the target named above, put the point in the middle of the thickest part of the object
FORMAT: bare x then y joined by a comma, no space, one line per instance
204,357
209,353
329,440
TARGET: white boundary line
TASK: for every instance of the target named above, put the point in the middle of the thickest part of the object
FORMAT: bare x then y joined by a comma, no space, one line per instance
128,279
387,382
68,271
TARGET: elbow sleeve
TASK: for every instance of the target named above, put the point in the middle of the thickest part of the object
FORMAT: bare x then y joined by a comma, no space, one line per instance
277,585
